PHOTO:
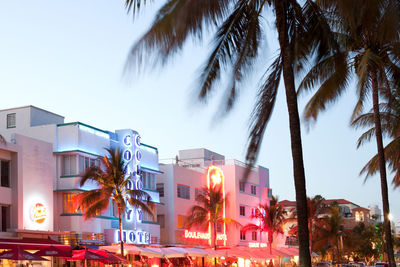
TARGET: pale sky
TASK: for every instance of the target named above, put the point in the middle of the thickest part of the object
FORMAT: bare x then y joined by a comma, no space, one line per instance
68,57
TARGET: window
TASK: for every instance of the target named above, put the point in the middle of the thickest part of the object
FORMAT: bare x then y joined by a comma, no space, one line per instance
242,235
86,162
183,191
69,203
161,220
182,221
241,186
270,193
219,227
11,120
149,180
69,165
242,210
160,189
5,173
254,236
5,218
253,190
198,192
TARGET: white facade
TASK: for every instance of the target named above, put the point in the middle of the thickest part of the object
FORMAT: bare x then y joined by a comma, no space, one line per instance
183,179
375,210
56,153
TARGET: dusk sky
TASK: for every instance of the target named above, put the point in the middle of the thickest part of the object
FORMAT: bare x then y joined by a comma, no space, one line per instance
68,57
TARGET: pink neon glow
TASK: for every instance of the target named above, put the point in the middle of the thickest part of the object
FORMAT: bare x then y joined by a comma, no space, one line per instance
216,176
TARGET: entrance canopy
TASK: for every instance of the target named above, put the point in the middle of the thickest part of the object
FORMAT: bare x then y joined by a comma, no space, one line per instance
32,244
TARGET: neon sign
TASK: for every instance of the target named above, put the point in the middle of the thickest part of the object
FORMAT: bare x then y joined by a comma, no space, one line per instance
257,245
133,237
201,235
39,213
215,176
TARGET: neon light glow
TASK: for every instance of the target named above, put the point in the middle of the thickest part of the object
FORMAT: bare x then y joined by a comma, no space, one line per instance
215,176
201,235
257,245
38,213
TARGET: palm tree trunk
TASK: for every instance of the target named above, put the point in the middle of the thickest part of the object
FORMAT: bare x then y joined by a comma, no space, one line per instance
270,242
310,230
281,8
382,171
120,231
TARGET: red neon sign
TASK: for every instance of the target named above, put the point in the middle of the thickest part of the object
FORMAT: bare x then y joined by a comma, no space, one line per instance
201,235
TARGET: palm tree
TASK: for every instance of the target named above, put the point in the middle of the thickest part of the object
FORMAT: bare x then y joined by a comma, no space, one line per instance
316,221
390,120
237,43
209,211
368,32
330,235
111,179
271,218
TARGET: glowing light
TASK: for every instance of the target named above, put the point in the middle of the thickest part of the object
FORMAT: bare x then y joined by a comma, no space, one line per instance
215,174
390,216
201,235
39,213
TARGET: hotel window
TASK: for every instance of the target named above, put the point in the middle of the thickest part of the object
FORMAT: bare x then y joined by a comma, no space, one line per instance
5,173
183,191
149,180
182,221
198,192
69,165
161,220
242,210
242,235
254,236
69,203
269,193
11,120
253,190
160,189
86,162
5,218
357,216
241,186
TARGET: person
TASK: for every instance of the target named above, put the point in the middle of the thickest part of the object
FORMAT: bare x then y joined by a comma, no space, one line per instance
270,264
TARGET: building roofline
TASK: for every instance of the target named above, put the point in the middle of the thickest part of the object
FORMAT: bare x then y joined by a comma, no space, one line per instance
31,106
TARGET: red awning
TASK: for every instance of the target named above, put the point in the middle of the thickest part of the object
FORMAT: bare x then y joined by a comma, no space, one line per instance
32,244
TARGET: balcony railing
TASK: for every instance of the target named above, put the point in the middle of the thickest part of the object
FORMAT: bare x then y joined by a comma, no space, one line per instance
74,239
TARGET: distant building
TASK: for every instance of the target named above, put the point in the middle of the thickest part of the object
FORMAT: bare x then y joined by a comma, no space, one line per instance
375,211
187,176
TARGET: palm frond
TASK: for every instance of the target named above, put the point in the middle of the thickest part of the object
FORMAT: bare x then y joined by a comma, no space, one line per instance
174,23
262,111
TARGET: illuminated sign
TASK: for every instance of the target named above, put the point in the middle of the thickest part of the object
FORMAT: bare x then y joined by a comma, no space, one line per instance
38,213
200,235
257,245
133,237
215,176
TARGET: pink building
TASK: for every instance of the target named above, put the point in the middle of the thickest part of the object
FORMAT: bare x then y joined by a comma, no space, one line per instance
182,180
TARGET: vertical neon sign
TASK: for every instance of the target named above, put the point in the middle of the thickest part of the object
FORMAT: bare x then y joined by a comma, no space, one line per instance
215,176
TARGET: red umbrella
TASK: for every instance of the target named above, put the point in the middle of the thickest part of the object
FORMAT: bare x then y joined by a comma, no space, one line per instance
20,254
52,251
111,257
86,255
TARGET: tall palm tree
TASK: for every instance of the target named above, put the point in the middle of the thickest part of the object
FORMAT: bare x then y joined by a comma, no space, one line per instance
111,179
209,211
240,32
368,32
271,217
390,120
316,221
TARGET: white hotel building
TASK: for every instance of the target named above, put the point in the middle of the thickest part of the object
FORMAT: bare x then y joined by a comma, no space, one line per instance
40,165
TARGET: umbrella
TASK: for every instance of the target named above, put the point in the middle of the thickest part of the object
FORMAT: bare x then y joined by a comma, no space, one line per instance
53,252
86,255
20,254
111,257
